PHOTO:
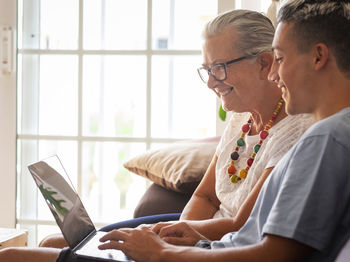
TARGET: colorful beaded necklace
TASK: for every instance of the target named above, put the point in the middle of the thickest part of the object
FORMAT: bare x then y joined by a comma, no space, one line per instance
242,174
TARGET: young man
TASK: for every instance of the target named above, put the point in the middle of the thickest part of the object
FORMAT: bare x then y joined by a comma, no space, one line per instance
302,212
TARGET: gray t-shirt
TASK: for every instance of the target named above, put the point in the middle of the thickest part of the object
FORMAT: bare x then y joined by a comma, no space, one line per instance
307,196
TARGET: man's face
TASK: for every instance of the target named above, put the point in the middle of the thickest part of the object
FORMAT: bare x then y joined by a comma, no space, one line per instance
291,71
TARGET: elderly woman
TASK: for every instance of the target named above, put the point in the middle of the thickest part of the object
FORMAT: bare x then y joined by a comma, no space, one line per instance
237,59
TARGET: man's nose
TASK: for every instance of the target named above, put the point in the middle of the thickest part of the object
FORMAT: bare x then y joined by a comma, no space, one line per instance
273,75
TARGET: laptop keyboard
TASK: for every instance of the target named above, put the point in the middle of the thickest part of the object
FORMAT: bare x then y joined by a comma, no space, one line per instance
90,249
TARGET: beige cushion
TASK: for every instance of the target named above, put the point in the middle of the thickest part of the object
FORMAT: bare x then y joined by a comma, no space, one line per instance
179,166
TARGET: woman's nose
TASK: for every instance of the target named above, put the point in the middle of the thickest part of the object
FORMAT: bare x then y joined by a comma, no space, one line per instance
211,81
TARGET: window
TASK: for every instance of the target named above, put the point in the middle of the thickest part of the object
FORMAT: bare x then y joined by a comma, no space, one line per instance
100,81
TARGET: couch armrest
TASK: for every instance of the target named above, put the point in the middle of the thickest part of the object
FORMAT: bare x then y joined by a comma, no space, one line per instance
158,200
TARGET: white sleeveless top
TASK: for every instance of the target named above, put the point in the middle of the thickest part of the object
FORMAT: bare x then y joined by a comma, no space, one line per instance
281,138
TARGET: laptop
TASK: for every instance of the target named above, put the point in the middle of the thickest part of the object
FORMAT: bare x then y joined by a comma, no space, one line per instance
68,210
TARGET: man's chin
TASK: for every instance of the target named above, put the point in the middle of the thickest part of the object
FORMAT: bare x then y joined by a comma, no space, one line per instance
291,110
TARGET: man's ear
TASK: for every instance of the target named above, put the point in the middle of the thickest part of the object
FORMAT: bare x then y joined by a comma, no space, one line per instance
265,61
320,56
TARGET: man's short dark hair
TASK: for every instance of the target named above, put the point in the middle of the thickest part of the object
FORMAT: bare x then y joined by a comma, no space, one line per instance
320,21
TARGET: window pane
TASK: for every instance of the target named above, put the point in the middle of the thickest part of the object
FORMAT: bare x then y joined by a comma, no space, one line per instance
59,20
109,191
48,24
58,95
179,24
112,24
27,94
49,95
183,107
31,204
114,95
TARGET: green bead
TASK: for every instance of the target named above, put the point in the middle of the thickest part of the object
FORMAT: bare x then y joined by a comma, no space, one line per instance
240,142
234,179
256,148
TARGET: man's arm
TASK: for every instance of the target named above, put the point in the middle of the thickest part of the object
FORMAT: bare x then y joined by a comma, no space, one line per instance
145,245
271,249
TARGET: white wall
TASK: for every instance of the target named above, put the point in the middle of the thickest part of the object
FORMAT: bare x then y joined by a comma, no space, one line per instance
252,4
7,129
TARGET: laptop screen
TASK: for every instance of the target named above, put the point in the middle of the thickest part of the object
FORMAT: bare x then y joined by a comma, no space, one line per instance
62,199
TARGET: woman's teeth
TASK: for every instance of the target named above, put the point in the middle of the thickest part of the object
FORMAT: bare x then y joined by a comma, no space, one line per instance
223,93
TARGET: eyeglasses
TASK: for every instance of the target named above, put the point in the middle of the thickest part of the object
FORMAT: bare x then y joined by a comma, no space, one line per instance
218,70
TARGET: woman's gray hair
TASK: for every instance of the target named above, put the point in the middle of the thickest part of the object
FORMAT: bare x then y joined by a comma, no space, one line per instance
255,31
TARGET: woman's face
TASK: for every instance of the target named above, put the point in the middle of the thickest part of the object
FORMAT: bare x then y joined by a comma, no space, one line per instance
238,91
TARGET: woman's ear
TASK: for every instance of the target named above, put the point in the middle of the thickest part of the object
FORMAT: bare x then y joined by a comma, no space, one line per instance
265,61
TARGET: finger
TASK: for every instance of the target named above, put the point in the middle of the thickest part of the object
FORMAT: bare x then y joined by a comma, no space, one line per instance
157,227
115,235
170,231
111,245
126,229
142,226
145,228
180,241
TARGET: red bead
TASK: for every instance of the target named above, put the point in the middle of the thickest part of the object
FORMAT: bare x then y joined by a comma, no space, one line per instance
245,128
263,134
273,116
231,170
250,161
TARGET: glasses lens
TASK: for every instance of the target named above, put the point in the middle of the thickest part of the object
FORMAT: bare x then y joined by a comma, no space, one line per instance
219,72
204,74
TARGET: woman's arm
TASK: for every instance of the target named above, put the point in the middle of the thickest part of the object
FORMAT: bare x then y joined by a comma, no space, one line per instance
214,229
204,202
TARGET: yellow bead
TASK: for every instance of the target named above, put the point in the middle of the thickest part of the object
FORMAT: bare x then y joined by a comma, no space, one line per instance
243,173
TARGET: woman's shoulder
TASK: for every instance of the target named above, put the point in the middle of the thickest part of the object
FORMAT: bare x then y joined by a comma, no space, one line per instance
287,132
295,122
302,118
